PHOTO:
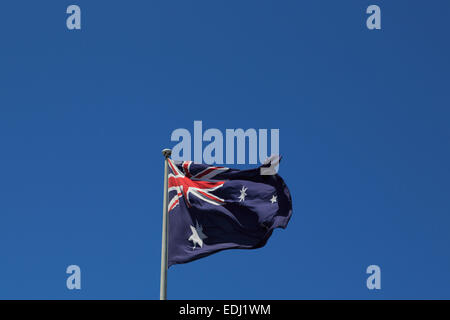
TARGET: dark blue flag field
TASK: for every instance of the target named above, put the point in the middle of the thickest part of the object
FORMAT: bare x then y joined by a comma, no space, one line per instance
216,208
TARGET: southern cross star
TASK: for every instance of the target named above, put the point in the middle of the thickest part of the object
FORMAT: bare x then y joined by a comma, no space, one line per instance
243,194
274,199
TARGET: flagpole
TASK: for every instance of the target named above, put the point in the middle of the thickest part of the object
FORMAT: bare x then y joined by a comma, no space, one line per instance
165,228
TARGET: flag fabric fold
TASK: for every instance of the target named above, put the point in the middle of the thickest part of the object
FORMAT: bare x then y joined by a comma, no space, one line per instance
216,208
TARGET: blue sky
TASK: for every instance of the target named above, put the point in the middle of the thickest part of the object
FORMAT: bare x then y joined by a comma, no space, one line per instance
363,118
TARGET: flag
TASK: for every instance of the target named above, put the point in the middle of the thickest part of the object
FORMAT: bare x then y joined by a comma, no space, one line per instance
215,208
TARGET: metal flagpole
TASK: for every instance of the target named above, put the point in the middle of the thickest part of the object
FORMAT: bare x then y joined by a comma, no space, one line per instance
165,228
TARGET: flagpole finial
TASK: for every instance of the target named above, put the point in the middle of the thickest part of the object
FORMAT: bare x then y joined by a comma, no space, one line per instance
166,153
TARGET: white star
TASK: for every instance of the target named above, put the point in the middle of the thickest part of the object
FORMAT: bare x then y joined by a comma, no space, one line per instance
274,199
243,194
197,235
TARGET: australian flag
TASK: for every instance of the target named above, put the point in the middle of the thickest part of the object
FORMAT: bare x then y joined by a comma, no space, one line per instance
216,208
